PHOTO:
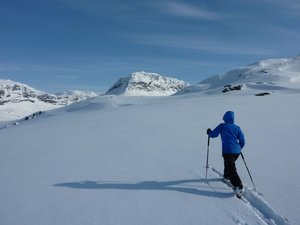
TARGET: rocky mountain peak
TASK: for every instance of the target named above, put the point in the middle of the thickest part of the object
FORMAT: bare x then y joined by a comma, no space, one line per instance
146,84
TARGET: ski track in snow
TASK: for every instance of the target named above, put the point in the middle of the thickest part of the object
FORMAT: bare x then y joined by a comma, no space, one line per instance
259,206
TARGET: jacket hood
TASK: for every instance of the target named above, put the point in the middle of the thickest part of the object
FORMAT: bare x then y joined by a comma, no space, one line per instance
228,117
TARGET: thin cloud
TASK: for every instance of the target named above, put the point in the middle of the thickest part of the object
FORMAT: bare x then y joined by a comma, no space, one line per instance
94,7
189,10
39,68
9,68
67,76
290,4
291,33
206,44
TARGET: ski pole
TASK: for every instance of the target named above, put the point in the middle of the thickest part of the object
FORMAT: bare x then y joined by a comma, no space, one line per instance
207,154
248,171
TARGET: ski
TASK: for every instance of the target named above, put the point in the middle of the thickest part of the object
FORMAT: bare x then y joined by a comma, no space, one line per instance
238,193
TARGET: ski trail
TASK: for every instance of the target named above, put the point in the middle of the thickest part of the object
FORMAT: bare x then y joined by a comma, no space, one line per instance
214,188
259,206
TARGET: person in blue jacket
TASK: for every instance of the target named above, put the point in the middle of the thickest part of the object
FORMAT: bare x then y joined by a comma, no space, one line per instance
233,141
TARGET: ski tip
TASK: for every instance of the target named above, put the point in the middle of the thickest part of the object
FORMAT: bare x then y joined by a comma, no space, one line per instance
239,193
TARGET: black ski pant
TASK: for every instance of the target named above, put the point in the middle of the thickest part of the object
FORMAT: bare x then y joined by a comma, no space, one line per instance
230,169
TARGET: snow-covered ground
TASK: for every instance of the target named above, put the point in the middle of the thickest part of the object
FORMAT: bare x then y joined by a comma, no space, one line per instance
141,160
15,111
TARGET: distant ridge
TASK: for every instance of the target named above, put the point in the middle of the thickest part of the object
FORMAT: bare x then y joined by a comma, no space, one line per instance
263,78
18,100
271,75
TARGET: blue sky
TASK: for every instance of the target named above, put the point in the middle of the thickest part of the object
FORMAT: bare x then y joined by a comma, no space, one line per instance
55,45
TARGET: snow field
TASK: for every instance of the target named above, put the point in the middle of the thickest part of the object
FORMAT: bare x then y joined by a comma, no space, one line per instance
125,160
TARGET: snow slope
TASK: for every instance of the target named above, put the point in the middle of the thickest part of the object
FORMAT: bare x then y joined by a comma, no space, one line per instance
272,75
134,160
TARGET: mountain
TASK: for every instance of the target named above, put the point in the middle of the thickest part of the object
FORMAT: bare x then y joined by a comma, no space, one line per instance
18,100
267,76
146,84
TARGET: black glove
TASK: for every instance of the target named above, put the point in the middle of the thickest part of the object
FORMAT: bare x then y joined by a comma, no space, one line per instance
208,131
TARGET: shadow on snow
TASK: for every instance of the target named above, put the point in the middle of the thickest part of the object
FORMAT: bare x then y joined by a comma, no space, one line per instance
184,186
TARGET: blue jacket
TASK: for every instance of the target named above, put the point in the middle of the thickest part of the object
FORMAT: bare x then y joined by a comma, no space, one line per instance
233,139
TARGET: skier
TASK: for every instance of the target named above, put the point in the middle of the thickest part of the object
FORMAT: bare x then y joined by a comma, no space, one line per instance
232,143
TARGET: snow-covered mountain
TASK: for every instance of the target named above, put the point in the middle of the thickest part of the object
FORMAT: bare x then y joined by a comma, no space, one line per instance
146,84
267,76
18,100
263,78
